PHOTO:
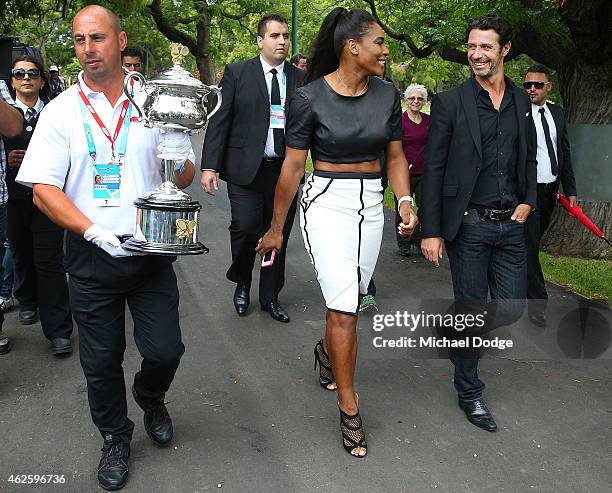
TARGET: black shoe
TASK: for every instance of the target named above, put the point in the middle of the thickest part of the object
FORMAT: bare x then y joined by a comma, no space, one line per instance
276,311
28,317
242,298
538,319
61,345
113,467
157,421
478,414
5,343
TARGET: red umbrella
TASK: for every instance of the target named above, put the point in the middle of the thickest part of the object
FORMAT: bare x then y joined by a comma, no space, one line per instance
576,211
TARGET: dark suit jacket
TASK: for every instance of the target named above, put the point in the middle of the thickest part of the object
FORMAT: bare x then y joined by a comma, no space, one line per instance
236,134
564,156
453,158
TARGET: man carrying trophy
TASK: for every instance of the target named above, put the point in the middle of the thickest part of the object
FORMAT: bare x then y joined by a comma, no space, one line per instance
88,160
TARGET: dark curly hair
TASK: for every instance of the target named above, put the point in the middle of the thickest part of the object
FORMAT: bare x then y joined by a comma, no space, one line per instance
494,21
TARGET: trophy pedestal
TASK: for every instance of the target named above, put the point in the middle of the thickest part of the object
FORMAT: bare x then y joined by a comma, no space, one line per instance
166,223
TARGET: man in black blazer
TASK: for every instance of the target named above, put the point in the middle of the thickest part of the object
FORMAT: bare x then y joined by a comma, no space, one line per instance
554,167
479,187
245,144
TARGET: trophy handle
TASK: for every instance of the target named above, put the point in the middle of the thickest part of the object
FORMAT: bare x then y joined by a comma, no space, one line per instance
127,89
217,91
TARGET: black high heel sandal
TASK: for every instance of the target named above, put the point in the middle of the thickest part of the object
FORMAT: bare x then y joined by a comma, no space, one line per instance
326,376
353,435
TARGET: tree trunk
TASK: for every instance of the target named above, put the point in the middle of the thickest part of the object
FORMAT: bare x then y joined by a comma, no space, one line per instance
202,55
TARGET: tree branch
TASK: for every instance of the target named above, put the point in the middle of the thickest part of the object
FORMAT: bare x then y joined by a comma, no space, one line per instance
171,32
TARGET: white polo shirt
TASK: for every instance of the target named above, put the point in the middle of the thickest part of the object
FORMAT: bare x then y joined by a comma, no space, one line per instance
58,155
544,168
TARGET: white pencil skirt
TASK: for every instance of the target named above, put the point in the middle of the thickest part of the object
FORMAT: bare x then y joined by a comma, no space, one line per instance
341,216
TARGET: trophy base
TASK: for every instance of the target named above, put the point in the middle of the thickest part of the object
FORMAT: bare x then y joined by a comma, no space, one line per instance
152,248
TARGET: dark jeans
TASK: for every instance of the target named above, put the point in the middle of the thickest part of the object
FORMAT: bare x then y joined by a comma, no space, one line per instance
100,285
536,225
40,277
2,238
252,206
415,190
486,258
6,286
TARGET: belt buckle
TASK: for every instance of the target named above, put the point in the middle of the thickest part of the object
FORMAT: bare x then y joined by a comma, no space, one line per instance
495,213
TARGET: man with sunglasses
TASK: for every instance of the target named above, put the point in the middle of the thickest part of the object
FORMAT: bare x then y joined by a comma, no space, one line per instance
11,123
554,167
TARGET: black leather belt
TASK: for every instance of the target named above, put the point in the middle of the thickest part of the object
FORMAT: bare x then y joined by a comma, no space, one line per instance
272,160
496,214
546,186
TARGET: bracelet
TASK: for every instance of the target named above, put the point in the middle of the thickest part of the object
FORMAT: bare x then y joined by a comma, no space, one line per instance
402,199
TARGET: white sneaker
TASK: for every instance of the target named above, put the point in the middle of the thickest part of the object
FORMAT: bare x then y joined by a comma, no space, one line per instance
6,304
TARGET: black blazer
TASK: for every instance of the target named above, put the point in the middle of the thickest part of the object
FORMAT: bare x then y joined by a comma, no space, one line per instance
564,155
453,158
236,135
20,142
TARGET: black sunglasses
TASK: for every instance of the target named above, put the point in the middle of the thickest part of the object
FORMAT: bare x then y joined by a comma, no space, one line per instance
20,73
538,84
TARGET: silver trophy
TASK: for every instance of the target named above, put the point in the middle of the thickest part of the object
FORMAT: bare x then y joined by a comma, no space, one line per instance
167,217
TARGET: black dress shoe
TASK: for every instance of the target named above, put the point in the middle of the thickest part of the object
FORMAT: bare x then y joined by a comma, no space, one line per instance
242,298
61,345
276,311
113,467
28,317
538,319
478,414
157,421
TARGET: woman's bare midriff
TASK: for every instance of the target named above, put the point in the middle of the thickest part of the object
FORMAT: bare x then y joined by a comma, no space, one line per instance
363,167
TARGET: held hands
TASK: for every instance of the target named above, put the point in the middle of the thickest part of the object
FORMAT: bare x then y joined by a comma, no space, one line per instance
521,213
209,181
409,219
174,145
107,241
15,158
270,241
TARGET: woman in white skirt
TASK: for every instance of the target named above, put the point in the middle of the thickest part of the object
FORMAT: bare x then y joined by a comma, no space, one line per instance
346,116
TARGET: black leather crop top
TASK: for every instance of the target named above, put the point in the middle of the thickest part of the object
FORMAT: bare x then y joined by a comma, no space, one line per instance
344,129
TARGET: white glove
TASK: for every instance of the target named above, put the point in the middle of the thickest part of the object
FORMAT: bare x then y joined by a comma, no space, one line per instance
174,145
106,240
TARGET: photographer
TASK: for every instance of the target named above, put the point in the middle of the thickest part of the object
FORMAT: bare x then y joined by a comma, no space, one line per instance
11,123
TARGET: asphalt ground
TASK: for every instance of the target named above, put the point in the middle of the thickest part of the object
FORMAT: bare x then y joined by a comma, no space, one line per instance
249,415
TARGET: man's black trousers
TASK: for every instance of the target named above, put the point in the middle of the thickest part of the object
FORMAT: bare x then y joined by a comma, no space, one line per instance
100,286
40,277
252,206
536,225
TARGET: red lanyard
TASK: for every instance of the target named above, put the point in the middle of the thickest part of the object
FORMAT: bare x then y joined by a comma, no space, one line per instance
99,121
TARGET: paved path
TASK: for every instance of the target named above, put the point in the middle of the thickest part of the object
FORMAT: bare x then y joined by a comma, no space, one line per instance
249,415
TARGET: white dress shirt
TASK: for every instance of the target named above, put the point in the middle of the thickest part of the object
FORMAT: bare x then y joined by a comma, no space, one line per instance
545,174
24,107
269,149
58,155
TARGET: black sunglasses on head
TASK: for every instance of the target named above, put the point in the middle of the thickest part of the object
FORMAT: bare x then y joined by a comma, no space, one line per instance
538,84
20,73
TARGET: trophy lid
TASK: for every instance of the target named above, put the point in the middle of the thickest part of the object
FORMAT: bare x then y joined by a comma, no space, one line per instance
167,193
177,76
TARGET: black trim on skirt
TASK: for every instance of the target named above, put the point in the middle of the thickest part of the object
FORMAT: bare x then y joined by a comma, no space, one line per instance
345,175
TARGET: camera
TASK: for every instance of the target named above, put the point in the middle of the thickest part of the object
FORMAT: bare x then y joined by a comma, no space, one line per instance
11,47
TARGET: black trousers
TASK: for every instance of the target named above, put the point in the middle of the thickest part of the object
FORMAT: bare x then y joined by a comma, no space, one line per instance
252,206
2,249
415,190
100,285
536,225
40,277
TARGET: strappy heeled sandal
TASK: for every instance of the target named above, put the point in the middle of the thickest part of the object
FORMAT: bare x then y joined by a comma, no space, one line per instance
326,376
353,435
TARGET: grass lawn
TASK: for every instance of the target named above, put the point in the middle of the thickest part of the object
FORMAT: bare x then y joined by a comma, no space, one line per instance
591,278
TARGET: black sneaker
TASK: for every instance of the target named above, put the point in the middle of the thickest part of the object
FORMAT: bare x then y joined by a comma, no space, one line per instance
157,421
113,467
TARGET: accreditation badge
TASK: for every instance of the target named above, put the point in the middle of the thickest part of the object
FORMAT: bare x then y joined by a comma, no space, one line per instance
277,116
107,184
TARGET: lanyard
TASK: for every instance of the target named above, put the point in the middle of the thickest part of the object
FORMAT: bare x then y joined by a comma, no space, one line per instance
124,120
